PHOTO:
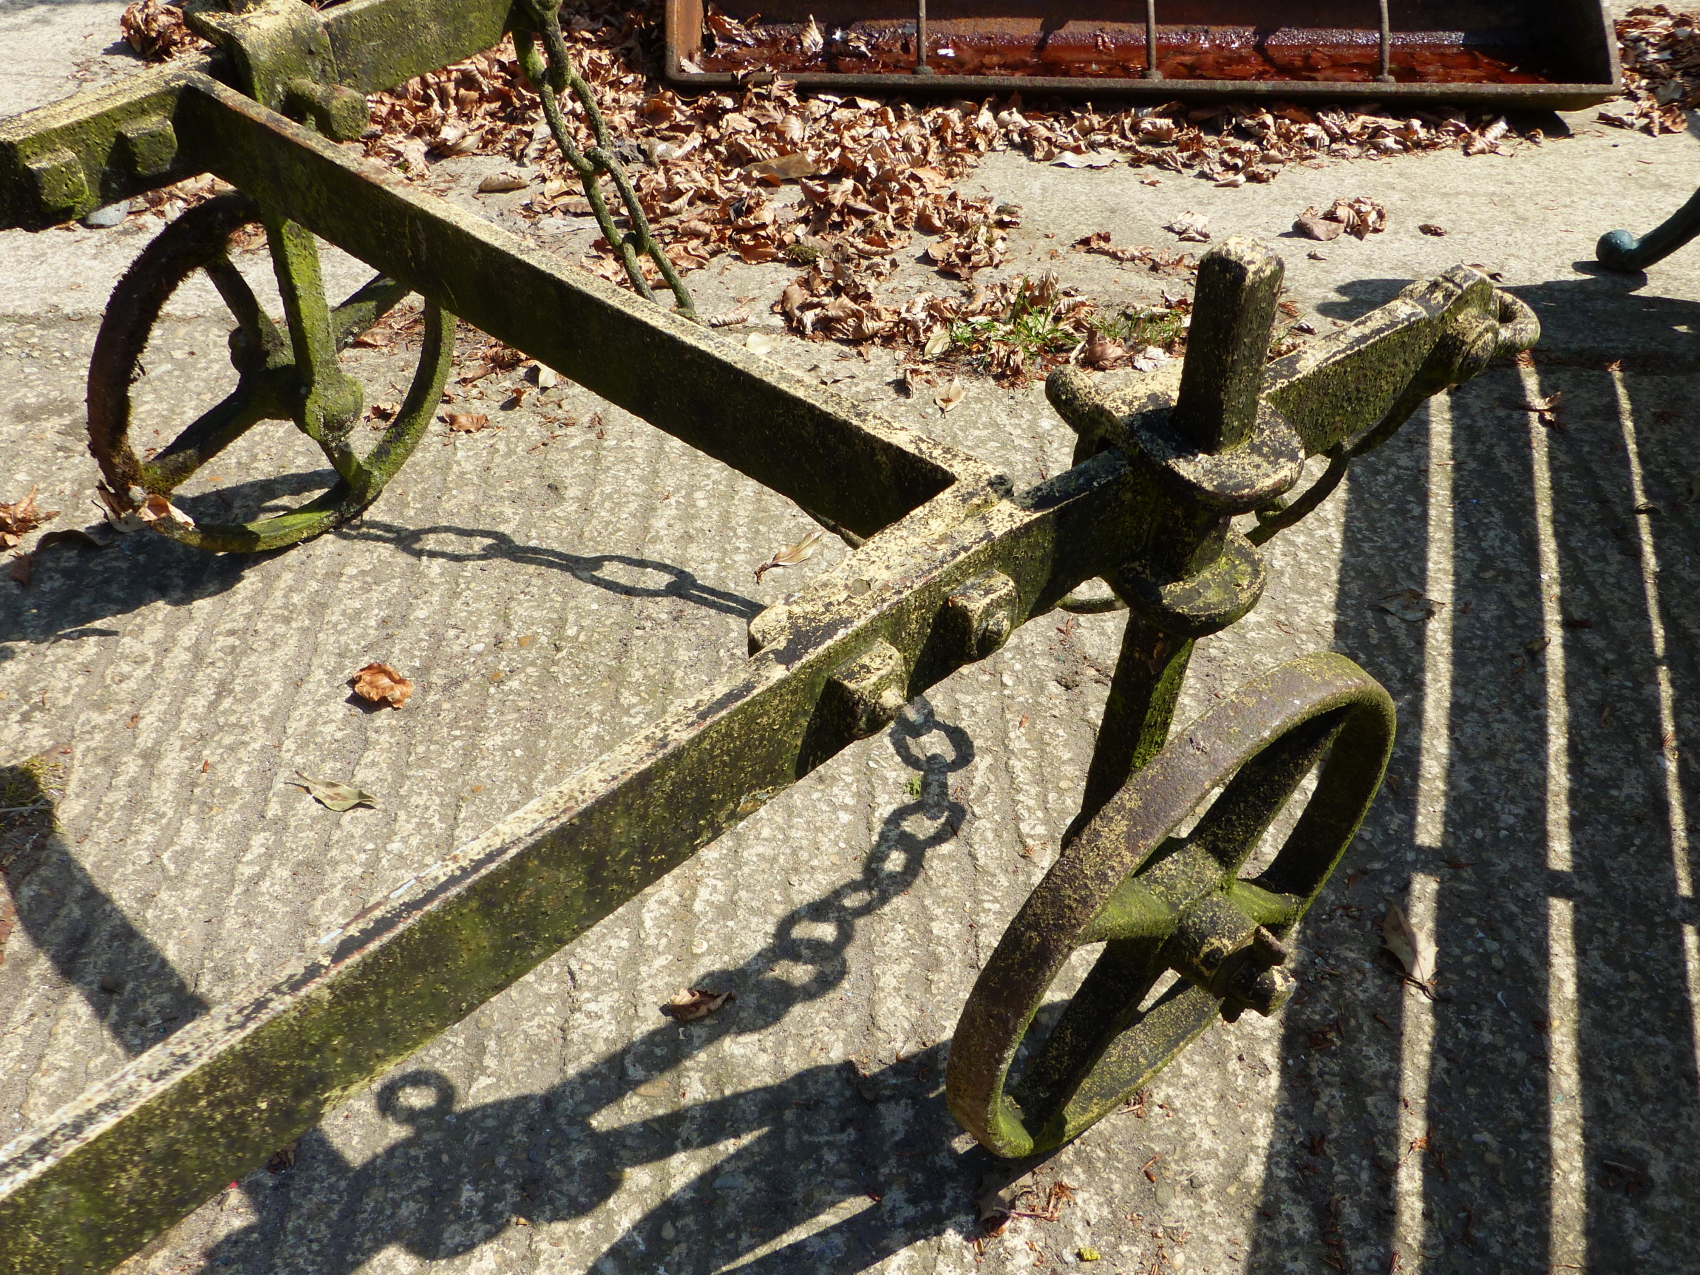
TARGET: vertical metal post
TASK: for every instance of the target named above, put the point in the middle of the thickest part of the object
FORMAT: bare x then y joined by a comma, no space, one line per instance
1151,71
921,67
1386,75
1150,672
1233,314
1239,284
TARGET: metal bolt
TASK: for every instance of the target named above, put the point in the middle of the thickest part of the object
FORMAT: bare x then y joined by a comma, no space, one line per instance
1267,948
1262,988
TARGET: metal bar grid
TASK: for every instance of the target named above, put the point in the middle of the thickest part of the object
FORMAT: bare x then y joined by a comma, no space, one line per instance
1581,28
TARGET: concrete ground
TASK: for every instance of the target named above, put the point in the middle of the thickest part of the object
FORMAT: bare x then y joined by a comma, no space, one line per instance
549,594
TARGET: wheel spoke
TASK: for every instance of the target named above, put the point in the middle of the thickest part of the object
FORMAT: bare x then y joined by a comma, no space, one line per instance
241,301
365,307
1099,1011
212,432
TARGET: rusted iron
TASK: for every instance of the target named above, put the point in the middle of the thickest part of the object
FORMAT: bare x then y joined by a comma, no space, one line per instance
1557,56
950,560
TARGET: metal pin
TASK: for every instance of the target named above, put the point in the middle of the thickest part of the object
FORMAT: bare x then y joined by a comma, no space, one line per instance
921,67
1151,71
1386,76
1233,314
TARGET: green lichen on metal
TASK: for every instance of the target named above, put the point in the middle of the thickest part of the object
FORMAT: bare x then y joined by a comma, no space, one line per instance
954,561
286,375
1159,901
67,159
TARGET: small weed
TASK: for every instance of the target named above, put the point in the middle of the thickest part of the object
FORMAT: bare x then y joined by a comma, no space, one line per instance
1044,327
1137,329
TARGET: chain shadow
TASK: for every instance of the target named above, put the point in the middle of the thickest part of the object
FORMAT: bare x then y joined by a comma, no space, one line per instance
589,568
75,589
871,1152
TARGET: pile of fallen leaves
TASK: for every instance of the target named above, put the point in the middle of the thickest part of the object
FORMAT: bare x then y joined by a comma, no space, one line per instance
17,520
873,172
872,175
1361,218
1661,70
156,30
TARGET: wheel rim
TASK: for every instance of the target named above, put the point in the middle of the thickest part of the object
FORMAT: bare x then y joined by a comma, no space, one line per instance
1159,902
267,387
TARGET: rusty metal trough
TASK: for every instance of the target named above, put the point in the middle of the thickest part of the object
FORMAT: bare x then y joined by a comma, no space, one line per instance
1507,53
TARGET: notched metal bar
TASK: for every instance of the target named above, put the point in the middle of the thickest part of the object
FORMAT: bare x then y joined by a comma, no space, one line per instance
1436,333
817,447
66,159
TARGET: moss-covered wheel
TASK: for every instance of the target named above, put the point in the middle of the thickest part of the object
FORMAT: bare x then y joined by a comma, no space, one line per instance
285,372
1158,900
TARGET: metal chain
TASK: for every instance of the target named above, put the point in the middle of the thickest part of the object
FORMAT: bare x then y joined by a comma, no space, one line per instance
560,74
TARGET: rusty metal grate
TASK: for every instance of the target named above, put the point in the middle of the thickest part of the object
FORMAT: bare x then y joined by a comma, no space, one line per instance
1559,56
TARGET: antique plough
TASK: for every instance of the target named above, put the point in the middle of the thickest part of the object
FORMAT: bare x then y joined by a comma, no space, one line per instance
951,561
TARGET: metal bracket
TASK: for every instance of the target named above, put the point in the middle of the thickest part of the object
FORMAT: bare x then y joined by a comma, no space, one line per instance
282,57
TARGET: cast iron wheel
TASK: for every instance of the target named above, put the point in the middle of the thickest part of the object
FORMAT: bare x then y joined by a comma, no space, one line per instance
1158,901
269,386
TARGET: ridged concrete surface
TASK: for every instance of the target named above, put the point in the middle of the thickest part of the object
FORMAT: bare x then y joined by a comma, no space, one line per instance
549,600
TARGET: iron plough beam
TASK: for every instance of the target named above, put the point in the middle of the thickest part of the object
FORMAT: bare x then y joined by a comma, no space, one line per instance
956,560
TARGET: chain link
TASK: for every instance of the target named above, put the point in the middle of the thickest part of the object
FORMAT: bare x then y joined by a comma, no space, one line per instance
561,73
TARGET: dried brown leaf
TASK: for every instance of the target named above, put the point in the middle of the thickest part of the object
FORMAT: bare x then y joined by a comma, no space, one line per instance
1415,948
156,30
1191,227
791,555
950,395
157,508
381,684
811,39
467,422
332,795
21,517
1312,225
695,1003
1409,606
783,167
502,182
